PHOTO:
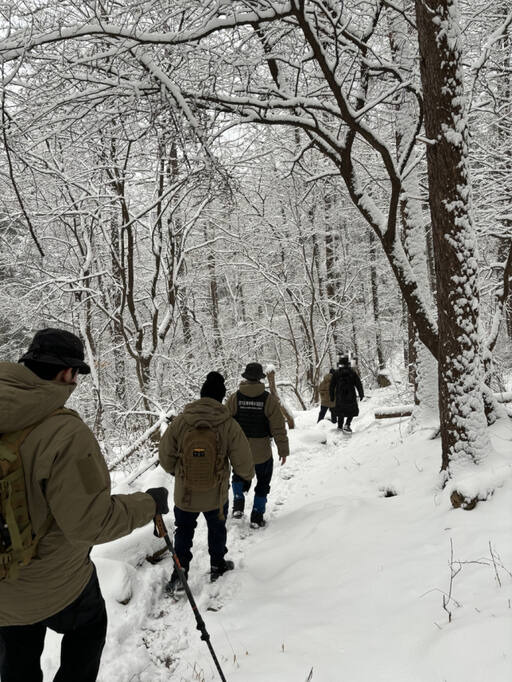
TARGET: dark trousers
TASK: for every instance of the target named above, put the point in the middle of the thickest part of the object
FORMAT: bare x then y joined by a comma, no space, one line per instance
186,523
84,626
323,412
347,423
263,477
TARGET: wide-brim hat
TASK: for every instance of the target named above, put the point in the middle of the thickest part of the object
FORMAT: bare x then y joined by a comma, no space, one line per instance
253,372
57,347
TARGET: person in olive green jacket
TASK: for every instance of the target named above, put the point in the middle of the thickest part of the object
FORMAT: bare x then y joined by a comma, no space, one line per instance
325,399
68,491
232,449
259,414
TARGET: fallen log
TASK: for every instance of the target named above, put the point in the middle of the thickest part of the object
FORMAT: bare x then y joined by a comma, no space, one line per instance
395,411
503,397
157,556
406,410
140,441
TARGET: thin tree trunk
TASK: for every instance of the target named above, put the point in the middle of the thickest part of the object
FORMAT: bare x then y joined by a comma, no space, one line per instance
431,261
271,376
331,277
116,323
214,300
422,365
375,299
412,338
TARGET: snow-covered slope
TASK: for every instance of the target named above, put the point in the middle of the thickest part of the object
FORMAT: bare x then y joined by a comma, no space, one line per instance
344,581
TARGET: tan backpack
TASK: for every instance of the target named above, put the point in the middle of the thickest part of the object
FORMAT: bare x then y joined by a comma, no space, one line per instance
202,460
18,544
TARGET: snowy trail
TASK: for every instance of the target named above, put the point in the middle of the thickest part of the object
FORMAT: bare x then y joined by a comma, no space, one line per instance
342,580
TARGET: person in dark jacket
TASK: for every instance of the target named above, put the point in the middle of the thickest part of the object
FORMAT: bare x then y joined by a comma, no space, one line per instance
344,384
70,505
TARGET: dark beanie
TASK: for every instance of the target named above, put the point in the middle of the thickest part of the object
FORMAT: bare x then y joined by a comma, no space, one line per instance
213,387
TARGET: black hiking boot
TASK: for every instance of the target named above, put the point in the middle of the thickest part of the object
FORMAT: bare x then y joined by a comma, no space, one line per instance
257,520
238,507
219,569
347,429
175,586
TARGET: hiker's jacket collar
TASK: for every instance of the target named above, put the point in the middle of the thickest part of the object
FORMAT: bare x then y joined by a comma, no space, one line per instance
25,398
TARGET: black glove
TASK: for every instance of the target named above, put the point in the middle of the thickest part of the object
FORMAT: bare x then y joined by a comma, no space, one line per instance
246,486
160,497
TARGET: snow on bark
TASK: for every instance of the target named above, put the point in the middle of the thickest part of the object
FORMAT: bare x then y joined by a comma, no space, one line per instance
463,423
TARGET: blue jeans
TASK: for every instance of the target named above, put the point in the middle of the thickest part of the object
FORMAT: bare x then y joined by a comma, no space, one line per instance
186,523
262,488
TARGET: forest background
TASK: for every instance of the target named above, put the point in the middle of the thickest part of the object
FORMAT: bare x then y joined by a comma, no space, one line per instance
196,185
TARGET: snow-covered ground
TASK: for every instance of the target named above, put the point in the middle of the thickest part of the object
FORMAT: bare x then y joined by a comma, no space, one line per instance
344,581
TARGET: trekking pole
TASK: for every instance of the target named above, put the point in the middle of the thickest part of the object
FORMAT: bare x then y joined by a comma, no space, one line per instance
162,533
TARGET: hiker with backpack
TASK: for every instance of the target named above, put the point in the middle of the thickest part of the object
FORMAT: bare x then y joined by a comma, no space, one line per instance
344,384
198,448
325,400
55,504
259,414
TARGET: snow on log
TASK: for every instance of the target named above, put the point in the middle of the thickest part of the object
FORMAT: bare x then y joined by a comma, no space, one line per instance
395,411
163,419
406,410
503,397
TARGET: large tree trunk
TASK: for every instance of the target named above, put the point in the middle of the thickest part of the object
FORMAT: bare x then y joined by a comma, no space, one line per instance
463,423
505,137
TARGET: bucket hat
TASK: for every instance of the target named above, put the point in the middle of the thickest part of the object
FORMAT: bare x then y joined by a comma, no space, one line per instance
253,372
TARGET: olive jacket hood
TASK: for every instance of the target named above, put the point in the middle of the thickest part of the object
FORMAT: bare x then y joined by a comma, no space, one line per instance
66,479
234,449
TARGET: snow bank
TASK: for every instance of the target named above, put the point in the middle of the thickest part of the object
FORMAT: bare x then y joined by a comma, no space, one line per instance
344,579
